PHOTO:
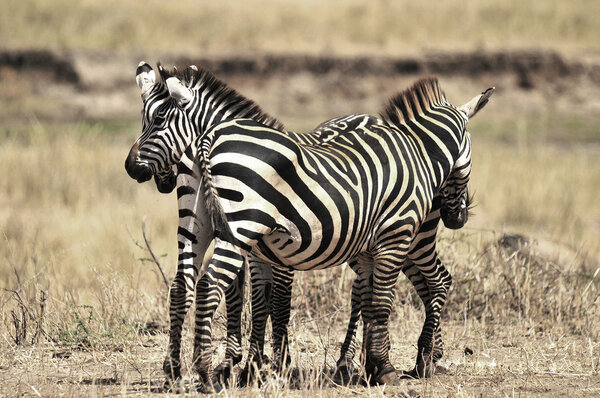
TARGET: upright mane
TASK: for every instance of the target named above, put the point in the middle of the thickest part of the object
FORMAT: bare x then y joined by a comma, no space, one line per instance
199,78
414,101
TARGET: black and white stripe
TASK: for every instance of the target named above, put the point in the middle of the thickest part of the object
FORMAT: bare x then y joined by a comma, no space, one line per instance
361,197
213,101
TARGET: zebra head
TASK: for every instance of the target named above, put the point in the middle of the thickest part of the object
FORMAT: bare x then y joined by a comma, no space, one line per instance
179,108
165,129
455,198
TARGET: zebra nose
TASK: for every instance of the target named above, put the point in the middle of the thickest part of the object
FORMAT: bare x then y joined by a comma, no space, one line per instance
138,171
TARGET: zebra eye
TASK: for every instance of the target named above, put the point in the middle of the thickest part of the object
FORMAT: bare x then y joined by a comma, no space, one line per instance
159,120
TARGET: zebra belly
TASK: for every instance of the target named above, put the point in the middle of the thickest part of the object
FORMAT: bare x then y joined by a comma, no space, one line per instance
278,248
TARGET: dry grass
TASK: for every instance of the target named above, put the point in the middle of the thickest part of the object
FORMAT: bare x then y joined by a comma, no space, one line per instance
84,312
71,232
341,27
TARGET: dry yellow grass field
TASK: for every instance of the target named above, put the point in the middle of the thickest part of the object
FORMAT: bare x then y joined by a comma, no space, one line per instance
84,309
311,26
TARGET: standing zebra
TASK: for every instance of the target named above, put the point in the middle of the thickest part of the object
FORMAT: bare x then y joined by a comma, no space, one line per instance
213,102
360,197
155,156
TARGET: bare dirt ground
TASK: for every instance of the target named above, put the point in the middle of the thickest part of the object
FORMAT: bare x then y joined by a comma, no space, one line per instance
494,360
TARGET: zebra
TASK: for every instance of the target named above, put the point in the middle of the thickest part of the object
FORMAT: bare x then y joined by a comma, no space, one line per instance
215,102
358,197
155,95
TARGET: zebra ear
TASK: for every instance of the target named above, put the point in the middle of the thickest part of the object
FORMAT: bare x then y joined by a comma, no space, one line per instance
477,103
145,78
179,91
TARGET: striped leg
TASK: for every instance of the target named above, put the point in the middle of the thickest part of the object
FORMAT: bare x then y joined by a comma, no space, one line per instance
281,302
344,371
262,284
234,298
439,281
420,285
344,368
226,264
194,237
376,313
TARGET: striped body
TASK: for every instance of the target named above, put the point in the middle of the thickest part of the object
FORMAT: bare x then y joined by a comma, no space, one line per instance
359,196
211,104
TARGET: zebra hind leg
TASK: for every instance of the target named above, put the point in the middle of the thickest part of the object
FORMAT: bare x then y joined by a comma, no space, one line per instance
234,297
226,264
386,268
280,316
428,351
262,283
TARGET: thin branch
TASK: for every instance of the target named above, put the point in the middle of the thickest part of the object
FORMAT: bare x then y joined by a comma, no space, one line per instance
152,254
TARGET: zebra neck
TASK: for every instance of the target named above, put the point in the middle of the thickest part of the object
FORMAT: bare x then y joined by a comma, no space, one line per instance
217,102
435,160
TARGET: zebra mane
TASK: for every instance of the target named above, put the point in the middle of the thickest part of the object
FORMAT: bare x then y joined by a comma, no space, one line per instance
416,100
200,78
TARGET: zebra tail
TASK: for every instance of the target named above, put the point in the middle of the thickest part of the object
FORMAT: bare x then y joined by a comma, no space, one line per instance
218,219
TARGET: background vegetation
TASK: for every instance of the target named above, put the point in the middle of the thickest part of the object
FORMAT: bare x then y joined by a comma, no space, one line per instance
312,26
84,310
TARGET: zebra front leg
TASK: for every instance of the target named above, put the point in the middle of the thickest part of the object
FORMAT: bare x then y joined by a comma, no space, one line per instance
234,298
226,264
194,236
387,267
261,277
280,317
411,270
439,281
344,373
181,297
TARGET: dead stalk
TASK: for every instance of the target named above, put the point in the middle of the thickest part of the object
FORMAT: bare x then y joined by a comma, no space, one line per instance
152,254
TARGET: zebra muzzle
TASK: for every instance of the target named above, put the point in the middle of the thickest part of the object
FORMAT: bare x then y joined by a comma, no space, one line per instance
456,219
140,172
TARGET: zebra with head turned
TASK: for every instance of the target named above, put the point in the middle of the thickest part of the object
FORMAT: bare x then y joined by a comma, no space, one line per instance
154,155
213,102
359,197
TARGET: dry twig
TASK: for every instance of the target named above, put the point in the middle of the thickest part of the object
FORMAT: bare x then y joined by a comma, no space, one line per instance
152,254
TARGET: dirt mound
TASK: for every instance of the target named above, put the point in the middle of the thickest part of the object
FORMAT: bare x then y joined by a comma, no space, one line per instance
60,68
101,86
545,63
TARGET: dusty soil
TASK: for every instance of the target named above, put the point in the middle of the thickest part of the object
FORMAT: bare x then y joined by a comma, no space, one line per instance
516,363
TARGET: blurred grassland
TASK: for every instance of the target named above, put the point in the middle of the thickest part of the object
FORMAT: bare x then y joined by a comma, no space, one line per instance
312,26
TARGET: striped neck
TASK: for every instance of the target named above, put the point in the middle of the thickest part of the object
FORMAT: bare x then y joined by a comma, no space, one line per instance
422,114
214,101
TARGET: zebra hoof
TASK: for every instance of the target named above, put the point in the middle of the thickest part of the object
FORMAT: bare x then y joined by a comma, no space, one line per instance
246,376
175,386
345,375
389,377
223,373
420,371
213,387
409,374
172,369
